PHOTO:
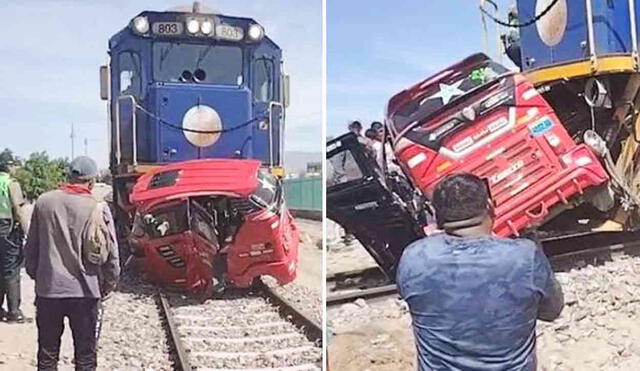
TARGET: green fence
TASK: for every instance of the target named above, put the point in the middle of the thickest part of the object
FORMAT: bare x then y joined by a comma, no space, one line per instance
304,194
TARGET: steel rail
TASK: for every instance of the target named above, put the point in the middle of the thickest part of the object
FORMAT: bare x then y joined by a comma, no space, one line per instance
355,273
182,360
311,329
596,254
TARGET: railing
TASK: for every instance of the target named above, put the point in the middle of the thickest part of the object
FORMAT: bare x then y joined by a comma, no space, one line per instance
133,126
271,106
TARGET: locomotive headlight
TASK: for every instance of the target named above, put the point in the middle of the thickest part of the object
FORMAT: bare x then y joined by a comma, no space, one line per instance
255,32
193,26
206,27
141,25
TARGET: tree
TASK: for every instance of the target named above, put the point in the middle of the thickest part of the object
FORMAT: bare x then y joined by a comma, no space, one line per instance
8,156
39,174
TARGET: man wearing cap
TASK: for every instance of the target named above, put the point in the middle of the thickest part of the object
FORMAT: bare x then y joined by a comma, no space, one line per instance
13,222
66,286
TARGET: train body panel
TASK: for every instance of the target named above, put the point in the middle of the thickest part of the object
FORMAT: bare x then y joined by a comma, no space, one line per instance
218,105
576,39
562,35
184,86
236,85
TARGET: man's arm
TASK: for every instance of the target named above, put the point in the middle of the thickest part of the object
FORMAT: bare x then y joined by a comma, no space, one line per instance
18,203
32,247
111,269
552,300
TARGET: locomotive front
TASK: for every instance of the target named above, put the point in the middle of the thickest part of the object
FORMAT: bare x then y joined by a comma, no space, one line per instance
191,85
185,85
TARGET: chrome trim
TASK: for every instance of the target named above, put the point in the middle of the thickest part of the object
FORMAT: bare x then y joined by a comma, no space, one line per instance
134,125
270,110
634,32
592,42
109,112
118,151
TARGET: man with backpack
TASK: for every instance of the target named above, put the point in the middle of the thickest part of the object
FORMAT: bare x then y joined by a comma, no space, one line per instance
72,255
12,224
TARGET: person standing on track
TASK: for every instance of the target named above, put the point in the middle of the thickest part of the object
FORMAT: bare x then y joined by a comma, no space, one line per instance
13,223
474,298
67,285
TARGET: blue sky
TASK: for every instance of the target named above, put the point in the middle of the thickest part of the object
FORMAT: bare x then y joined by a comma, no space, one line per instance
375,49
50,60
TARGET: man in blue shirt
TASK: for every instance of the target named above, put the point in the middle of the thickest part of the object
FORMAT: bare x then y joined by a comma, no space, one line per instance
474,298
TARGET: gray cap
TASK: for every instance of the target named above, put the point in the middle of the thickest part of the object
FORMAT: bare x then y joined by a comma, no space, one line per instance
83,168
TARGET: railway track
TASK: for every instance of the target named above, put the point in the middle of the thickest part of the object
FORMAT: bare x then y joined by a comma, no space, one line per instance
248,330
564,253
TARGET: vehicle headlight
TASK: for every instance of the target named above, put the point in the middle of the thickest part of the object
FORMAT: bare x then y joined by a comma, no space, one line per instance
255,32
141,24
206,27
193,26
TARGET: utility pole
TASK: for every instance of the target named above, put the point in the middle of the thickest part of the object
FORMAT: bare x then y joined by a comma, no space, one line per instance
73,149
86,147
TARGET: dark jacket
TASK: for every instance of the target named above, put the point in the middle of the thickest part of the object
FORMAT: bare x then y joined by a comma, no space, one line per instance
53,250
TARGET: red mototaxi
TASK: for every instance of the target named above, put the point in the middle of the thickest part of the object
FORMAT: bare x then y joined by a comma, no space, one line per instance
182,202
478,117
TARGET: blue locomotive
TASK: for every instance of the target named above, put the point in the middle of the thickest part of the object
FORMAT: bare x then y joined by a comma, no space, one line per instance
190,84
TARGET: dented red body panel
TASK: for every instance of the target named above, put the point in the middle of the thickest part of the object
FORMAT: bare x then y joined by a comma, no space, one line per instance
509,135
265,243
199,177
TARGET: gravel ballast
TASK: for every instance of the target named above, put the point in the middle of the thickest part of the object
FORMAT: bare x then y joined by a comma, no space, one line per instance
599,328
238,332
133,335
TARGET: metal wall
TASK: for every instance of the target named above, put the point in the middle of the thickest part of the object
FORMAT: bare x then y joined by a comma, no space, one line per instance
304,194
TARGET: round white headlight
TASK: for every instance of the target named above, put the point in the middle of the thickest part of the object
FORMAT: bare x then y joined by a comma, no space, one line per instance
141,24
193,26
256,32
206,27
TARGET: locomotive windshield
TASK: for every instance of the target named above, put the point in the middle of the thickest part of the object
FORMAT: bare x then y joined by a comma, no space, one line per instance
454,85
184,62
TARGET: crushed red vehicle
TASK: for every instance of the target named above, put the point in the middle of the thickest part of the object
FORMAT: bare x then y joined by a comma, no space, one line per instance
209,221
478,117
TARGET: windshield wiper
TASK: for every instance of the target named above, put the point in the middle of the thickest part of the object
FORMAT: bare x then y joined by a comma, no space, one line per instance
164,53
268,73
202,55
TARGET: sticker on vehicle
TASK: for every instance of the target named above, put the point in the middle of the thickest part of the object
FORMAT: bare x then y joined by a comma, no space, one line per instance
541,126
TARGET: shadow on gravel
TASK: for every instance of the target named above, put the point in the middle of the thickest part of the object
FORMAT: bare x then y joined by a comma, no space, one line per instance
179,299
133,282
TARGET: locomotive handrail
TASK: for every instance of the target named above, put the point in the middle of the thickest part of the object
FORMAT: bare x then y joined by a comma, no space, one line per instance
134,105
273,104
634,33
590,35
